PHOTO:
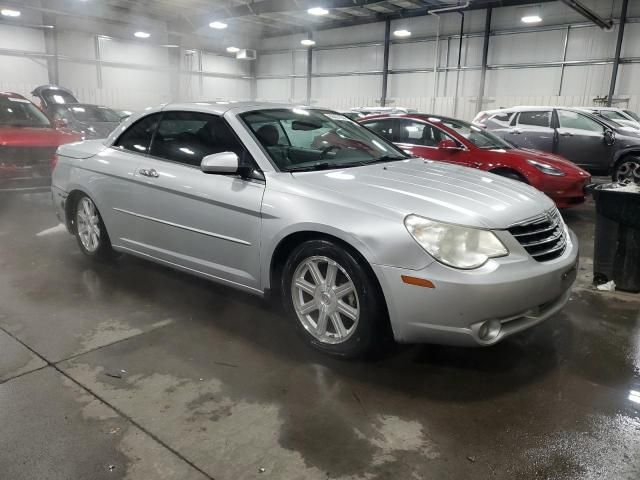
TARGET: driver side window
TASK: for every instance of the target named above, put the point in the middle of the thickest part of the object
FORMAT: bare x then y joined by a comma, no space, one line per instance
577,121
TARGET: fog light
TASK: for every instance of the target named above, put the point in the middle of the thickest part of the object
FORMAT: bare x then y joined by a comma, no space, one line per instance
489,330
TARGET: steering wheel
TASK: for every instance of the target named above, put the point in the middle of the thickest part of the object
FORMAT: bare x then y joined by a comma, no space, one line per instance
326,150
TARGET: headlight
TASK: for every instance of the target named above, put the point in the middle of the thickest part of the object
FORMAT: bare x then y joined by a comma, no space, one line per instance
546,168
453,245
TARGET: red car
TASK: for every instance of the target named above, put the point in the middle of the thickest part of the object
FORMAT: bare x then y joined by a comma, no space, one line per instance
28,143
455,141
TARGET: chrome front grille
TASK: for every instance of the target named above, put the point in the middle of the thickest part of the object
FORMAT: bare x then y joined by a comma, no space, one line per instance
542,237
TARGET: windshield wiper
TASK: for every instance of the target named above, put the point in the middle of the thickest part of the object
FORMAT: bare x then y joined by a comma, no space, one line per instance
309,168
384,159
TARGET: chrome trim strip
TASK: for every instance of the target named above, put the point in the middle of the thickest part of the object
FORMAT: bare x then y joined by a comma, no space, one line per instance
184,227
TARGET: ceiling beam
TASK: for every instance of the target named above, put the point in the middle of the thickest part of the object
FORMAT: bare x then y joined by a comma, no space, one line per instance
588,14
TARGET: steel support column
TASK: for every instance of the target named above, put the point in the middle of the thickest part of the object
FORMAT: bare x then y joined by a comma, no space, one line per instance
385,62
485,56
616,59
564,58
309,73
51,48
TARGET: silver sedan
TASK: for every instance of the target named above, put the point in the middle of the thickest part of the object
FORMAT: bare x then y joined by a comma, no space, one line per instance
358,239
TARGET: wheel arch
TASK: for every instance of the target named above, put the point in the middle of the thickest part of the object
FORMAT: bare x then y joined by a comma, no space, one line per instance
502,168
69,205
621,155
288,243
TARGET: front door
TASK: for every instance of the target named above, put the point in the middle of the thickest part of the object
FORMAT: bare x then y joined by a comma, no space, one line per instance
203,222
581,140
532,129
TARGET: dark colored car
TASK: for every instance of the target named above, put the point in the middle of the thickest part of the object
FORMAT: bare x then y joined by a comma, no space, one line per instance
594,143
91,121
28,142
64,109
455,141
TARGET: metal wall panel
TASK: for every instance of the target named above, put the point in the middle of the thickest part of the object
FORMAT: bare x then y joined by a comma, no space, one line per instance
527,47
356,59
591,43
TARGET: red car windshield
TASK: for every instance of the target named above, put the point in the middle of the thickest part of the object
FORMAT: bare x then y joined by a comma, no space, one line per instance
479,137
19,112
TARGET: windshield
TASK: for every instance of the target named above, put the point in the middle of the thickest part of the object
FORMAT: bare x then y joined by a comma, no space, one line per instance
19,112
92,113
479,137
613,115
298,139
633,115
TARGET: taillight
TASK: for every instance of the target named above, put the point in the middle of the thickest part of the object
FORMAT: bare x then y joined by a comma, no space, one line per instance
54,161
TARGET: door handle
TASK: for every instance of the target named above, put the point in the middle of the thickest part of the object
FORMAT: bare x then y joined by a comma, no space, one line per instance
149,173
515,132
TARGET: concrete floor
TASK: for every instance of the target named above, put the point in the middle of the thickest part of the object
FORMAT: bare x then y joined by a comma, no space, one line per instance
136,371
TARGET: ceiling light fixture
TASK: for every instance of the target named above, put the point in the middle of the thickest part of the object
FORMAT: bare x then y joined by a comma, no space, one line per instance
218,25
402,33
7,12
142,35
307,42
233,49
170,45
317,11
531,19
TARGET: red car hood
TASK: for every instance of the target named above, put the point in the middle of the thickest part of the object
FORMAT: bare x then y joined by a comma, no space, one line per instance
35,137
554,160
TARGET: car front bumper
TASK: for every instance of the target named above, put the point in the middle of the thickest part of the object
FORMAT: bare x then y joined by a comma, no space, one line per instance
516,291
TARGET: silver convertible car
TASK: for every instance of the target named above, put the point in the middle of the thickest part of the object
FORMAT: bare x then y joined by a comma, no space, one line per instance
357,238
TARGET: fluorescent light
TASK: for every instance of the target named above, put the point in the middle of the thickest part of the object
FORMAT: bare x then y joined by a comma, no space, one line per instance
7,12
233,49
142,34
170,45
218,25
402,33
317,11
307,42
531,19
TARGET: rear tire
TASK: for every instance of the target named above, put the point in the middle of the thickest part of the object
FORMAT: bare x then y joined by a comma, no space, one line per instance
90,231
334,302
628,170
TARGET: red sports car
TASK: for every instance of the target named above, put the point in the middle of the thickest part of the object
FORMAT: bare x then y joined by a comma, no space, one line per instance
28,143
455,141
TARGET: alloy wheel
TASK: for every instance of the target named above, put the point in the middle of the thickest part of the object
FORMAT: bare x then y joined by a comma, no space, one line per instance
325,299
628,172
88,224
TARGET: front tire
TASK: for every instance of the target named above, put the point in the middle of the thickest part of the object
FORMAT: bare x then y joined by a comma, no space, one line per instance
628,171
333,299
90,231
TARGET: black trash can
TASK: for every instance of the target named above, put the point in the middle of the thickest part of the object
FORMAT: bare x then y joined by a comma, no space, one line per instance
617,241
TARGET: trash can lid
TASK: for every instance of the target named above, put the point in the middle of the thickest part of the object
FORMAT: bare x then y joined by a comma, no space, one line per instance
619,187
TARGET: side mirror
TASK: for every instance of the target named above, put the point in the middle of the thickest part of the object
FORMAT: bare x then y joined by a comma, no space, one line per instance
223,163
609,137
61,123
448,145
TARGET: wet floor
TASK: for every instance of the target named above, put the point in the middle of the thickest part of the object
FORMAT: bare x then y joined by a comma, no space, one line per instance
136,371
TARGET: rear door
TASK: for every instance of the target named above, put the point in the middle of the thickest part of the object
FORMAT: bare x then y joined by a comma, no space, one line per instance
205,223
581,140
532,129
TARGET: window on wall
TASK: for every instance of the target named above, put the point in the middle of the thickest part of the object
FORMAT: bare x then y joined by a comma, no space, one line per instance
578,121
137,138
188,137
535,119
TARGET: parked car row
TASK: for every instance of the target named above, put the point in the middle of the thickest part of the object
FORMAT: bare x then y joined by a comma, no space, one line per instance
30,135
593,142
361,240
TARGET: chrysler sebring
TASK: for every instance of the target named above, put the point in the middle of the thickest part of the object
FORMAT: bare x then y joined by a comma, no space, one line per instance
356,237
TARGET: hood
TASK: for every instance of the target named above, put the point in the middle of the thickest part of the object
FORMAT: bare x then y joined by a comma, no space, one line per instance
550,158
436,190
35,137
